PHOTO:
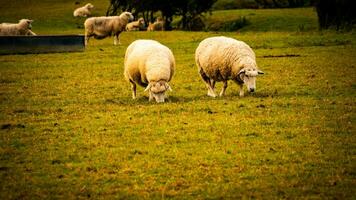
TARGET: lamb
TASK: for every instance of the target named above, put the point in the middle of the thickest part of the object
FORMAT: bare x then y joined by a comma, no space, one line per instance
84,11
102,27
22,28
151,65
136,25
222,59
158,25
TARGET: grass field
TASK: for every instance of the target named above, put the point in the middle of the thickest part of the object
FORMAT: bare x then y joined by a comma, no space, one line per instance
69,128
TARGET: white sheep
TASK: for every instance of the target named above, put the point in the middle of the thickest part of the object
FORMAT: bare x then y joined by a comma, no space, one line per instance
136,25
158,25
151,65
22,28
222,59
84,11
102,27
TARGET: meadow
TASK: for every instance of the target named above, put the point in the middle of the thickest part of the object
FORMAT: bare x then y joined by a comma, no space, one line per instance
70,130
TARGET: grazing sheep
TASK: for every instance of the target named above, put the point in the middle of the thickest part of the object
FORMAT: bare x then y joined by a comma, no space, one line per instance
136,25
102,27
151,65
223,59
158,25
84,11
22,28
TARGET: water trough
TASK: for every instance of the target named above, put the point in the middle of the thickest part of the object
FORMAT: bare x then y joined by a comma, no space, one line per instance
41,44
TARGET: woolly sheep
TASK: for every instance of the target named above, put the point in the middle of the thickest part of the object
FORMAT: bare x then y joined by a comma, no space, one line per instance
136,25
102,27
158,25
84,11
151,65
22,28
222,59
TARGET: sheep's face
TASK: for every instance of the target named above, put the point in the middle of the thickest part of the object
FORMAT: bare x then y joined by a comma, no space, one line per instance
89,6
141,21
157,90
248,76
128,15
27,23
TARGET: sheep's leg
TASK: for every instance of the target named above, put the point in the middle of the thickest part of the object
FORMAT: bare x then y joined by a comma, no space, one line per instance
117,39
150,98
86,41
208,83
222,93
212,84
133,88
241,90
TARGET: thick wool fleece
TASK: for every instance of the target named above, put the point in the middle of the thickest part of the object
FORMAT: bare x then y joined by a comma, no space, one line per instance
148,61
221,58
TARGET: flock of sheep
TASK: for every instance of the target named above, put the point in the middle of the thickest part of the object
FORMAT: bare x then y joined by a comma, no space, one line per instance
151,64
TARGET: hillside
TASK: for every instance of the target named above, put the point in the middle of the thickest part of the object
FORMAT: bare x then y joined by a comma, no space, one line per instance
56,18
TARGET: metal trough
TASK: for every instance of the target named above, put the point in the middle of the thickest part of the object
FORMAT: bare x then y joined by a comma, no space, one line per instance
41,44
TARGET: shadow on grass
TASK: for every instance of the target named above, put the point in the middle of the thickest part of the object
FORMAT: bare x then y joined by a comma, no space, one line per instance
143,100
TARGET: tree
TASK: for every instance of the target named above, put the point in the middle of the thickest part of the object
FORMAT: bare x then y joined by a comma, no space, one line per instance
335,13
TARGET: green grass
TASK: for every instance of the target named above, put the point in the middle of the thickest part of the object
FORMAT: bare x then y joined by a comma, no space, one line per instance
69,128
301,19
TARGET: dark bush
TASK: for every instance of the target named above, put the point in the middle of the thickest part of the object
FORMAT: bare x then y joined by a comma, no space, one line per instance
336,13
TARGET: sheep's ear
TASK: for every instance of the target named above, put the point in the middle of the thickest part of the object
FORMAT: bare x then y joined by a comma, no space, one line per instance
260,72
168,87
148,87
241,71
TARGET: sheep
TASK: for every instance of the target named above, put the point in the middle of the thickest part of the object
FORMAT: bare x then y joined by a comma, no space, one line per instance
158,25
136,25
222,59
149,64
22,28
84,11
102,27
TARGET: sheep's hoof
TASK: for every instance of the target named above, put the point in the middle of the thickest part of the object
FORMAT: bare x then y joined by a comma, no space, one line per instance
211,95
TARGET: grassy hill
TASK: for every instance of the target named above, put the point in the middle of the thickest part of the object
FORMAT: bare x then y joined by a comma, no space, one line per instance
57,18
70,130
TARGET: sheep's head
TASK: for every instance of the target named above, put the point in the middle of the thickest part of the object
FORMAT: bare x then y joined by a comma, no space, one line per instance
157,90
89,6
127,15
141,21
248,76
26,23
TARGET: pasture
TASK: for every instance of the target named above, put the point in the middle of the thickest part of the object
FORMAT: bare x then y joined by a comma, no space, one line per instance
69,128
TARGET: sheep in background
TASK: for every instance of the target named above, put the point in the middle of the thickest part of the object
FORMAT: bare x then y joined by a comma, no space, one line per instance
223,59
22,28
84,11
151,65
102,27
158,25
136,25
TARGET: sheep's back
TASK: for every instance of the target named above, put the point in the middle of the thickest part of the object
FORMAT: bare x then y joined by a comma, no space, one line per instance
146,56
8,29
218,55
